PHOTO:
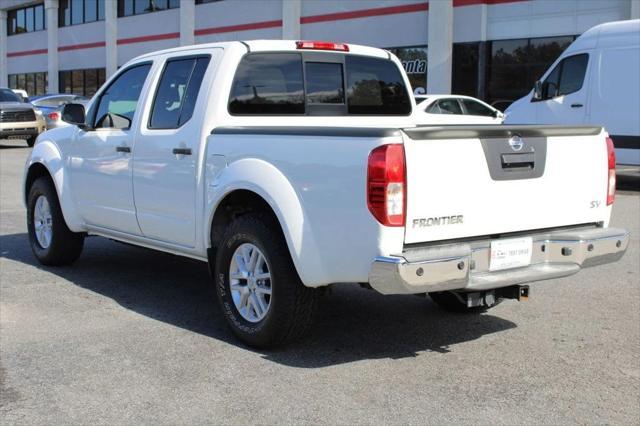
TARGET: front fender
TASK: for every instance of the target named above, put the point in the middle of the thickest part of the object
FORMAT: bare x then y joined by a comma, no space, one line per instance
267,181
48,154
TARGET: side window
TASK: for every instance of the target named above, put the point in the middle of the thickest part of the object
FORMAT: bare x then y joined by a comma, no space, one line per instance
476,108
268,84
118,103
375,87
177,92
449,106
573,71
567,77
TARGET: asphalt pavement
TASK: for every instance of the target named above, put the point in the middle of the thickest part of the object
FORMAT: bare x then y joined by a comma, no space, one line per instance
132,336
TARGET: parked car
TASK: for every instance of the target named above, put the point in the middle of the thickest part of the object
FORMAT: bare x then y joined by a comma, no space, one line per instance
595,81
286,182
50,106
454,109
18,120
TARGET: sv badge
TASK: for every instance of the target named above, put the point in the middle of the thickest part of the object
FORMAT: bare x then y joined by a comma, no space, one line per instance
595,204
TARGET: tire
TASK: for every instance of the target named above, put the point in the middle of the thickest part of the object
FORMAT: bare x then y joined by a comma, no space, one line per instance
31,141
448,301
290,306
64,246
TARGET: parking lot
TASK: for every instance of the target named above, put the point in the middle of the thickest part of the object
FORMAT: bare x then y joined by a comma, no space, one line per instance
128,335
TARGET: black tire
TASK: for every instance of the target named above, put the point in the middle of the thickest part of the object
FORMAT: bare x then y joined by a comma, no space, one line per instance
65,246
31,141
448,301
292,305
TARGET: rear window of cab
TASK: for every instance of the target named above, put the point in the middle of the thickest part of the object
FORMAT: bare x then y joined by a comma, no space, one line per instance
317,84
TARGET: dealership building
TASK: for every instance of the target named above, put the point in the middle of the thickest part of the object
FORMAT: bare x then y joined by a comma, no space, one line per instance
491,49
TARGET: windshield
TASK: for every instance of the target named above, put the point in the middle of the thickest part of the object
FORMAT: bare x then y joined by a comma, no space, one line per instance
7,95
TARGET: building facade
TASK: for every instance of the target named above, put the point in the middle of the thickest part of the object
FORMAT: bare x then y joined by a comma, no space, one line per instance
491,49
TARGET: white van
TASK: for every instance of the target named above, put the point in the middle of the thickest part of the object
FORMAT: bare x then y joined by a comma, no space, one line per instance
595,81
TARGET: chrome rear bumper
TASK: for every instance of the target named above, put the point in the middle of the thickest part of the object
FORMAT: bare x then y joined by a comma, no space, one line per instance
465,266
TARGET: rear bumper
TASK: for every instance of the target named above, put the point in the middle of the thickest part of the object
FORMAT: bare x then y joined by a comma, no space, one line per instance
465,266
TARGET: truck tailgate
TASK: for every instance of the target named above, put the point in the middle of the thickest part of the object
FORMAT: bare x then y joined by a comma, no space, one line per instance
465,181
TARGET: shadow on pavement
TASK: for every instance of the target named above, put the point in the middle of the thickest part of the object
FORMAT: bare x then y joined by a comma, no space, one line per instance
353,324
629,181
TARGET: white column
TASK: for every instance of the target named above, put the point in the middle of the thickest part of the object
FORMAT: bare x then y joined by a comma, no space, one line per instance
635,9
51,10
4,78
440,46
291,11
187,22
111,37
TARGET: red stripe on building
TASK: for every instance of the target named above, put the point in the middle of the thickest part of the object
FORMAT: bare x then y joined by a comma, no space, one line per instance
459,3
27,53
364,13
142,39
81,46
239,27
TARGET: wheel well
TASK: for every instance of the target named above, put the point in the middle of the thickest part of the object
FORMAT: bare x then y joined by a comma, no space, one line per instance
235,204
37,170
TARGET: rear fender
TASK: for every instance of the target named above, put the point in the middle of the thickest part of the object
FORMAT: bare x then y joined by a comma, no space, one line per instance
268,182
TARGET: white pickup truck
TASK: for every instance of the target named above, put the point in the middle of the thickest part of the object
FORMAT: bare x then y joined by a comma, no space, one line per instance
290,166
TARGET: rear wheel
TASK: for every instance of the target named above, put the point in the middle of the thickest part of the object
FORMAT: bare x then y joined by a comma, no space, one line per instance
52,242
259,290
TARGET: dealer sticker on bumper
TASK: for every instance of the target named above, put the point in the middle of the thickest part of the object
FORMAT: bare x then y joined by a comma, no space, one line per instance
512,253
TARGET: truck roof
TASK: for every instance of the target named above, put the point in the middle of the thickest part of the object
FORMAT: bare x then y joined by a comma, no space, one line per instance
264,46
609,34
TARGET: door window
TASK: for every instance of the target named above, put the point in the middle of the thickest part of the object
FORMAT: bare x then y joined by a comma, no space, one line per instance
118,103
177,92
476,108
446,106
573,71
567,77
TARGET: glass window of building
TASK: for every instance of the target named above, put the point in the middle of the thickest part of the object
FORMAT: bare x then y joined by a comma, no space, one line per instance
414,61
85,82
138,7
26,19
33,83
515,65
464,69
73,12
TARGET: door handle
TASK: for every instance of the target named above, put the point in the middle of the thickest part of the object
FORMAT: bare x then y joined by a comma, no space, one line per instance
123,149
182,151
576,105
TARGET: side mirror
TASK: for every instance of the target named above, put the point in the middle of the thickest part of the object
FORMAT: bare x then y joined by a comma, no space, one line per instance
537,90
74,114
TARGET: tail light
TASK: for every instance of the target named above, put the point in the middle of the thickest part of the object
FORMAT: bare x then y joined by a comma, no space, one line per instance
611,183
55,116
322,45
386,184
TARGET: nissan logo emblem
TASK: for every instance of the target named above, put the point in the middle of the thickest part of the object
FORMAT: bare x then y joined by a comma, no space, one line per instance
516,143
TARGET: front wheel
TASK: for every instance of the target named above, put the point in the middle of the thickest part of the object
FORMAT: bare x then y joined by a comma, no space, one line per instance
31,141
52,242
259,290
